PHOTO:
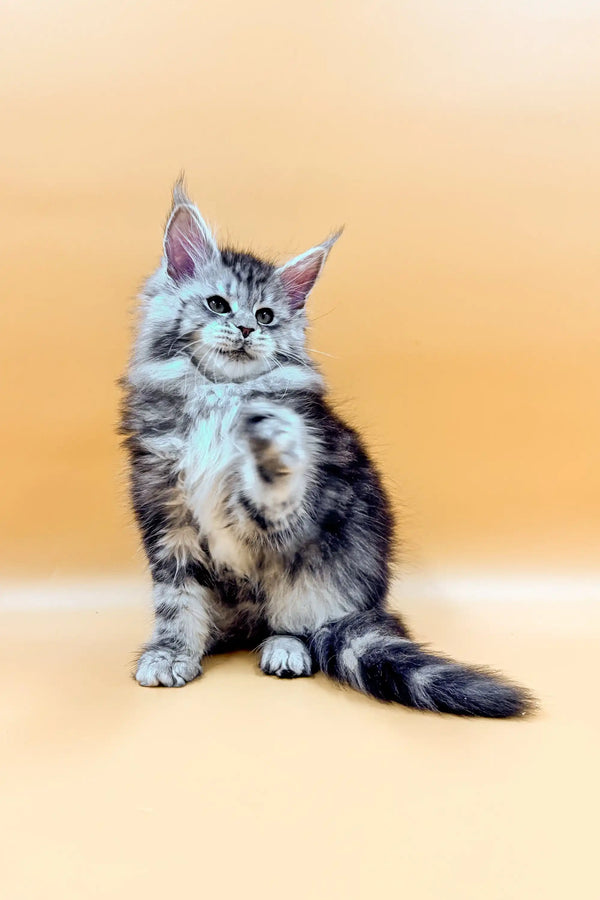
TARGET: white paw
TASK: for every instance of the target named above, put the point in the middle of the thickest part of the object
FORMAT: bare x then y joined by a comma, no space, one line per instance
275,436
286,657
159,665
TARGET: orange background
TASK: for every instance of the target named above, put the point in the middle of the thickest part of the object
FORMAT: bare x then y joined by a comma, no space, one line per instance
457,142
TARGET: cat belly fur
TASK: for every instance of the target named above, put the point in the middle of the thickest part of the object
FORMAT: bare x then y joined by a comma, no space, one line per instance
213,458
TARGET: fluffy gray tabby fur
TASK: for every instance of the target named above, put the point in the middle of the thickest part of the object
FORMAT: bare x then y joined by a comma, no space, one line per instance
263,518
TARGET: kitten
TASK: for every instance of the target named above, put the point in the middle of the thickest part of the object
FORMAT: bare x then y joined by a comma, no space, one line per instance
263,518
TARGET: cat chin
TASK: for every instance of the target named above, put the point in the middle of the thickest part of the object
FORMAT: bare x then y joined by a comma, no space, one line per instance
237,367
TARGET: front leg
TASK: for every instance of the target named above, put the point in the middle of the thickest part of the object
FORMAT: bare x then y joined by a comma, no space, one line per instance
276,468
181,633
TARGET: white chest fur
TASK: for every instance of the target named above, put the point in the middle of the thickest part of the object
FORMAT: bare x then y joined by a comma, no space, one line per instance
211,459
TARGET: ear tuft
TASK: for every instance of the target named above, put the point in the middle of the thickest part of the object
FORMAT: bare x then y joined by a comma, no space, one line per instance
180,195
189,242
299,275
328,244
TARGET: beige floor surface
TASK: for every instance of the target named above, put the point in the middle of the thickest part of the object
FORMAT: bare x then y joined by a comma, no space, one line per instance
242,785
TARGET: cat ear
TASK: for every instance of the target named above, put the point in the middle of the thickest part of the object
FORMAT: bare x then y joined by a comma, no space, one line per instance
188,242
299,275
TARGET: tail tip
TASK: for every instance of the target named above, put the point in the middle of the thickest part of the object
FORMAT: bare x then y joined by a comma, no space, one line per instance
492,696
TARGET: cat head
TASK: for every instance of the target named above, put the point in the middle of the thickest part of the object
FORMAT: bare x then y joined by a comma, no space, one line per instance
236,315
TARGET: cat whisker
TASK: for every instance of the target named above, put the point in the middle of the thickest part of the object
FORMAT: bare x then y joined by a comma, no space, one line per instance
322,353
322,316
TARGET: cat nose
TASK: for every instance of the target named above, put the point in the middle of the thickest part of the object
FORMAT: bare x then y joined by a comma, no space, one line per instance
245,331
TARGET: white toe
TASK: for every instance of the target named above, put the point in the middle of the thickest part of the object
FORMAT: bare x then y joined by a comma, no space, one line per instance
160,666
285,657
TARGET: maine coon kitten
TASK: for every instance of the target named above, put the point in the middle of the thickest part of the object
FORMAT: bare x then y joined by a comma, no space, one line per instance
264,521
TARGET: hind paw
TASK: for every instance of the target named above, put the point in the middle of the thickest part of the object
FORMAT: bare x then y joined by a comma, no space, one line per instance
285,657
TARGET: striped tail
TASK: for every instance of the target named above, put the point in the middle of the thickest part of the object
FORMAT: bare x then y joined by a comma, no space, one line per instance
371,651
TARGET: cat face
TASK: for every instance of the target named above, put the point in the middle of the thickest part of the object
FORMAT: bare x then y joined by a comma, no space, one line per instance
237,316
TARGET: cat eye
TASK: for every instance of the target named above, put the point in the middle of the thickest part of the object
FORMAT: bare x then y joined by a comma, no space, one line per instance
218,305
264,316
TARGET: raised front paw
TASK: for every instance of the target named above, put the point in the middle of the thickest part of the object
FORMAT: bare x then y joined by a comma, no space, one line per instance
162,666
276,437
286,657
